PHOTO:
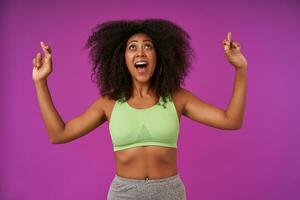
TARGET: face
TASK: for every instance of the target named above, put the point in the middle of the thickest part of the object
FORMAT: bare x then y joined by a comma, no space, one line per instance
140,57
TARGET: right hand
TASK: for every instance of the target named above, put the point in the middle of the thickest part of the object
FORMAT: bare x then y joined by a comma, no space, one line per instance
42,66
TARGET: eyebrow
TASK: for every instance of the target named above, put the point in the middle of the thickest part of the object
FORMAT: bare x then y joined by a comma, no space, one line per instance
137,41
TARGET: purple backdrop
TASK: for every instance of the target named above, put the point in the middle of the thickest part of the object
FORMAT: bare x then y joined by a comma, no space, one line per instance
260,161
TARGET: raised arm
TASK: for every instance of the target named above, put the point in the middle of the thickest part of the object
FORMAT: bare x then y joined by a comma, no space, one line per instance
59,131
79,126
231,118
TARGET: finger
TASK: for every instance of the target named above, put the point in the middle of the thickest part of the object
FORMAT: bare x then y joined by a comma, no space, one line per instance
33,62
46,49
229,36
38,60
226,47
236,45
226,44
225,41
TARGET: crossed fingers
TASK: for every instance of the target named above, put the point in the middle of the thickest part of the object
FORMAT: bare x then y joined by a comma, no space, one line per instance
37,61
228,44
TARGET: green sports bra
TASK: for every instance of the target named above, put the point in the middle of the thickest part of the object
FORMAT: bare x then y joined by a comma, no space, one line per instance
131,127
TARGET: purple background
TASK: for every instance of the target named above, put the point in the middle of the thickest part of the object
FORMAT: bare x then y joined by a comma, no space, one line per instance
261,161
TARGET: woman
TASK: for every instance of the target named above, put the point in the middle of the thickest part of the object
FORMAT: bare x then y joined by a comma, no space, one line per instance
139,67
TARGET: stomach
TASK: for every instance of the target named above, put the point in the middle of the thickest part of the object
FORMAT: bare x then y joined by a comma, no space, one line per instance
152,162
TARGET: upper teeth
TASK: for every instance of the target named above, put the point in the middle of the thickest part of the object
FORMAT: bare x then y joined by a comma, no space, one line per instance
141,63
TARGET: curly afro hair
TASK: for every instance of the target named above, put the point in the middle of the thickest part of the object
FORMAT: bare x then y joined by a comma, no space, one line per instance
107,45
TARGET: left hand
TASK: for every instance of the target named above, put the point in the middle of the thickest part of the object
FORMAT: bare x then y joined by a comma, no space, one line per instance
233,53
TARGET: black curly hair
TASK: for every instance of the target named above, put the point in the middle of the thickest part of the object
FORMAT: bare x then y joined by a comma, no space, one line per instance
107,45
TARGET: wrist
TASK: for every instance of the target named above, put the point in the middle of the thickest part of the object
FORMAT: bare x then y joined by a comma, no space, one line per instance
40,81
241,68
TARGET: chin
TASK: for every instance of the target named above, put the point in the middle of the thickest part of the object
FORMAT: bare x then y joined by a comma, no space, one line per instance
142,78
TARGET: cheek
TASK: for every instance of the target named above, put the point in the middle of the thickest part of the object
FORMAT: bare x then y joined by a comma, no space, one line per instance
151,55
154,58
127,59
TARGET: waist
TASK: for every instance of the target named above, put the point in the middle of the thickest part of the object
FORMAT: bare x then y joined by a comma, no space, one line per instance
148,161
150,169
148,179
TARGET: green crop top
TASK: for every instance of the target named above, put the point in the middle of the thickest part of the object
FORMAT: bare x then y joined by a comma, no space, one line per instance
132,127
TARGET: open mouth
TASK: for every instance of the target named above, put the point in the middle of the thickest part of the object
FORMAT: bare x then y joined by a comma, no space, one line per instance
141,66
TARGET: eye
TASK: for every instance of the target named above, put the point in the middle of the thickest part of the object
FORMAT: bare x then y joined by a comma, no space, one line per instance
131,47
148,46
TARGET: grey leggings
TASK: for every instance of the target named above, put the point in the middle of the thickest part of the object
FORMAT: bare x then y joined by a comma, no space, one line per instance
170,188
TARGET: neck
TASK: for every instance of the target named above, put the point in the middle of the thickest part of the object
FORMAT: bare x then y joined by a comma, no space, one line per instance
142,90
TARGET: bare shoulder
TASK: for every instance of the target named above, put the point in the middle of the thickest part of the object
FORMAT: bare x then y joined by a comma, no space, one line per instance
98,107
104,100
100,102
180,99
182,95
107,105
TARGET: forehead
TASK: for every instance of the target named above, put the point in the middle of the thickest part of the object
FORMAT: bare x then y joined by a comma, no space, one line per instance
139,37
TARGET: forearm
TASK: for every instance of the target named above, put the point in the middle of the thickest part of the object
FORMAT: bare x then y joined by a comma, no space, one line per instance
53,122
235,110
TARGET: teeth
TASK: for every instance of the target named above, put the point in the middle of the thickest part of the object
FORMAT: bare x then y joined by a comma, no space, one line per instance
141,63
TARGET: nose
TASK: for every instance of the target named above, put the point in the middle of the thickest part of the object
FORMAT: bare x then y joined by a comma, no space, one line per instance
140,52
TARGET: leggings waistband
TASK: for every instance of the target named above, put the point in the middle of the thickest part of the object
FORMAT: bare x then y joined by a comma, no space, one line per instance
129,180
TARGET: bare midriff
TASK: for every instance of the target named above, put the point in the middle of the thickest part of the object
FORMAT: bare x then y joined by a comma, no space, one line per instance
152,162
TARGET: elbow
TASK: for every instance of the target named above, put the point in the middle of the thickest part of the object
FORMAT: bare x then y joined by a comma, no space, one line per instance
233,123
57,142
54,142
55,139
60,138
237,126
